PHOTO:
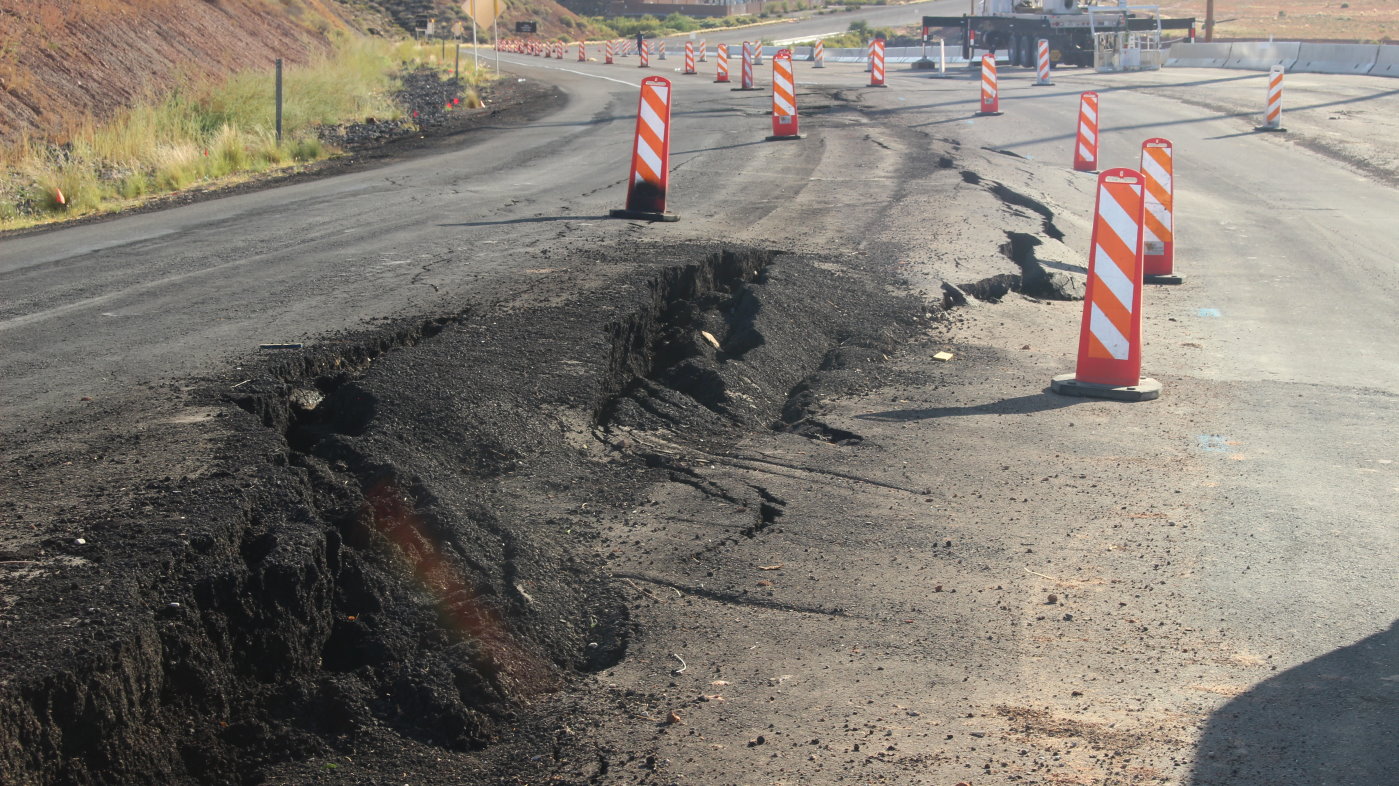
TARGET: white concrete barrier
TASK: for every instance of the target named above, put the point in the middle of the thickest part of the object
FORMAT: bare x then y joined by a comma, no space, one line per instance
1198,55
1262,55
1336,58
1386,61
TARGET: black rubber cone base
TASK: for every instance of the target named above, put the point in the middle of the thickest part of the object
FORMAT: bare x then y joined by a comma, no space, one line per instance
1164,278
738,89
1279,129
776,138
643,215
989,114
876,85
1067,385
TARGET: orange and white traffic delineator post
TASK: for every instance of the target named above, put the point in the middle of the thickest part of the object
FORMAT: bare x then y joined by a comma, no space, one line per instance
745,75
757,53
607,54
1042,63
721,64
703,51
784,98
1086,140
990,90
660,50
582,53
1272,115
689,58
650,162
644,52
1110,340
877,63
548,50
818,55
1158,220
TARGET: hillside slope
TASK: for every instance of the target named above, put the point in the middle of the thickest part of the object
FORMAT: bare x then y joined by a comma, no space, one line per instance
65,61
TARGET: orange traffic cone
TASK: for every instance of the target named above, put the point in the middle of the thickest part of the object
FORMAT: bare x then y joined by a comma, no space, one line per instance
1110,341
650,164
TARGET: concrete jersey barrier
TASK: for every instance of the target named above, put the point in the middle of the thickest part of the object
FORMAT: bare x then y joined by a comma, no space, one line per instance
1198,55
1337,58
1262,56
1386,61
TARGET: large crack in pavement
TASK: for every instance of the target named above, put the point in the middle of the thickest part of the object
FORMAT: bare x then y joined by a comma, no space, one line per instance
393,548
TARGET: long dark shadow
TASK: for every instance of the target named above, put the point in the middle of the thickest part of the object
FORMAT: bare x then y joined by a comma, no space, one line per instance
1333,721
534,220
1020,405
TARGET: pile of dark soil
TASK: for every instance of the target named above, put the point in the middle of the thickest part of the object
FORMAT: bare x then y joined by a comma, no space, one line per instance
389,555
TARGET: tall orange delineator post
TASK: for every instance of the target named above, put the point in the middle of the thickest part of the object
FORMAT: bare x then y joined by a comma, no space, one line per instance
818,55
1042,63
877,63
582,52
689,58
1272,115
745,76
1110,339
1086,140
990,90
721,65
784,98
650,162
607,54
1158,220
644,52
703,51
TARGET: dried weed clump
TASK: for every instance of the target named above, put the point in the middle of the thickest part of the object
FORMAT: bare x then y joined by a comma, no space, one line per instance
207,132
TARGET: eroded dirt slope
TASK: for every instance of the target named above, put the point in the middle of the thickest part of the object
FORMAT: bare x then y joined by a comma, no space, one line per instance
64,62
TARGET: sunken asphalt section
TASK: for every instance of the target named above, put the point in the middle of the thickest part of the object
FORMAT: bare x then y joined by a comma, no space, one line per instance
608,505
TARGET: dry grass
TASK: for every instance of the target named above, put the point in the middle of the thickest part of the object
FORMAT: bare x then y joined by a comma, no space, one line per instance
204,133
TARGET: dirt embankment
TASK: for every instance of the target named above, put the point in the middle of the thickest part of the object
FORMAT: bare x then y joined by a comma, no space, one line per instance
64,63
384,548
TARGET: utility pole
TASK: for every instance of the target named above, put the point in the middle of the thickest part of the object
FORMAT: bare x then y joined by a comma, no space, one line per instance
1209,21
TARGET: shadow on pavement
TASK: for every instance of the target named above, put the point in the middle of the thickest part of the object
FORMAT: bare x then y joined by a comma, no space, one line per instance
1020,405
529,220
1332,721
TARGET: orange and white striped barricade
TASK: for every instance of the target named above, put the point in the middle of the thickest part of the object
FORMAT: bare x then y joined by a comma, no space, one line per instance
1272,114
877,63
607,53
558,49
1110,340
1158,220
818,55
784,98
757,53
721,64
703,51
869,56
745,74
548,50
643,51
689,58
1086,141
582,53
1042,63
990,89
660,50
650,162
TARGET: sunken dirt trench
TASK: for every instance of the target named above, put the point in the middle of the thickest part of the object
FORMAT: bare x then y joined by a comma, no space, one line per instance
397,546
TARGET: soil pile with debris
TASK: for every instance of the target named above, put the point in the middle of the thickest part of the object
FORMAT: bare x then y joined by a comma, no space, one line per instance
384,546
